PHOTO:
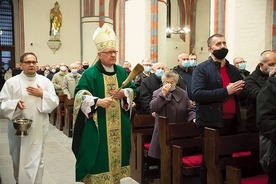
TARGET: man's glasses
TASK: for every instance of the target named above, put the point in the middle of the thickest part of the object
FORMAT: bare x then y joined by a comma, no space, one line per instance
30,62
109,53
242,62
147,64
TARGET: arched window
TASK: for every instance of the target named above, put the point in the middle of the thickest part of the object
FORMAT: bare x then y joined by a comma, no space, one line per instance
6,34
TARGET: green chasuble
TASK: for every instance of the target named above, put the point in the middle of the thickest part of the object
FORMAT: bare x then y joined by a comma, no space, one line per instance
101,144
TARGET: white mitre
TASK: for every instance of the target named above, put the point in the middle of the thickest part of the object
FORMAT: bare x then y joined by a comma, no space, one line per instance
104,37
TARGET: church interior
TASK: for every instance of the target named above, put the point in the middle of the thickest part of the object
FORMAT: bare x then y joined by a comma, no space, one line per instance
61,31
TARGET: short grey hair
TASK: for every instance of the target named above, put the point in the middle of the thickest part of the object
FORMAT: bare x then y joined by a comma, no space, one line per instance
264,54
146,60
170,75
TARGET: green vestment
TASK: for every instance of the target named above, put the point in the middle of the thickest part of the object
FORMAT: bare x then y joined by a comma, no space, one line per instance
102,144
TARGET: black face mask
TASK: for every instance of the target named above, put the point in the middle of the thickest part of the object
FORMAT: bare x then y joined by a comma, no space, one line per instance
220,54
85,67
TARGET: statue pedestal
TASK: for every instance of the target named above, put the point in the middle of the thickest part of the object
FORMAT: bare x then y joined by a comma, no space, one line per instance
54,45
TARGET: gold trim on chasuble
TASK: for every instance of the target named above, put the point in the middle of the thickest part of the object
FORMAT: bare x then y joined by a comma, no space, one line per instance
113,129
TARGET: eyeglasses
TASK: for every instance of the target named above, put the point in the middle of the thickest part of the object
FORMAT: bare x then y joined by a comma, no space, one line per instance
30,62
109,53
147,64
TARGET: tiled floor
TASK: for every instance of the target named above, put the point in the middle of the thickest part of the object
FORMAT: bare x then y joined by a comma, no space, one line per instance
58,158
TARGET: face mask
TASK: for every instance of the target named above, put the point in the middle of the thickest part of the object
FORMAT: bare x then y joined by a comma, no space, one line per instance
159,73
74,71
242,66
47,68
147,69
53,71
63,68
220,54
185,64
192,63
268,70
85,67
45,75
172,88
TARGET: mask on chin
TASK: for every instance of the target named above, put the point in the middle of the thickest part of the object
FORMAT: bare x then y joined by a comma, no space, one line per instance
221,53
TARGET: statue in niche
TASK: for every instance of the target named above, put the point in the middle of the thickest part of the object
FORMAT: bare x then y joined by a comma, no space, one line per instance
55,22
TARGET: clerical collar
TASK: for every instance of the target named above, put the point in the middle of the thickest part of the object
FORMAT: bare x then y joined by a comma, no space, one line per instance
108,69
104,69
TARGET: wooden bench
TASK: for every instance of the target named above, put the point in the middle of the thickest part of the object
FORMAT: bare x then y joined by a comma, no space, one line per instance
68,118
234,176
239,150
53,117
182,134
142,128
60,113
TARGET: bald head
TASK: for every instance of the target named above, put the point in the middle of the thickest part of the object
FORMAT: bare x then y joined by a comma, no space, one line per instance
267,60
157,66
237,61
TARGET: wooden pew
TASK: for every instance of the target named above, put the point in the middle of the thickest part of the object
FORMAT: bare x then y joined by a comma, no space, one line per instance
181,168
181,134
234,176
68,118
60,113
219,150
142,128
53,117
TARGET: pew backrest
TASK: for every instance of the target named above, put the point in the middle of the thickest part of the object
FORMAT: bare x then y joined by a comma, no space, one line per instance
184,134
234,150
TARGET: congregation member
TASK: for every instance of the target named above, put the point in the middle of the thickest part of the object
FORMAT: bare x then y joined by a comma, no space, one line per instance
240,63
32,96
254,82
147,64
184,72
83,66
17,70
8,74
171,102
41,70
216,89
149,85
101,137
70,81
266,122
127,66
193,61
58,79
